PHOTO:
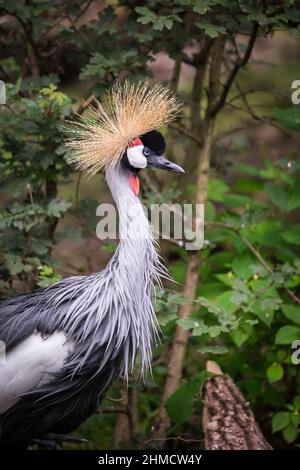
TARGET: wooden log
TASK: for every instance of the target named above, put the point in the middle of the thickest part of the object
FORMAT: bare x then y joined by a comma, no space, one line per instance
228,421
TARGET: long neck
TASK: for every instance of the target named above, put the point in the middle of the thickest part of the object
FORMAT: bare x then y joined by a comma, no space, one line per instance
135,230
135,266
136,255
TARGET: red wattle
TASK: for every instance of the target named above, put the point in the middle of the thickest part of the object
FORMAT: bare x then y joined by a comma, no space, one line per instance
134,184
134,142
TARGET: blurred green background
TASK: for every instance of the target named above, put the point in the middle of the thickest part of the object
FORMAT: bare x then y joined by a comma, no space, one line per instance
233,64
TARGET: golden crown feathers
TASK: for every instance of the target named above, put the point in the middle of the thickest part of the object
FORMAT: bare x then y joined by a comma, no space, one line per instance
130,109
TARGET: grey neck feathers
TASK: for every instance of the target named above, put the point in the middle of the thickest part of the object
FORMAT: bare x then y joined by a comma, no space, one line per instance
136,258
113,308
136,265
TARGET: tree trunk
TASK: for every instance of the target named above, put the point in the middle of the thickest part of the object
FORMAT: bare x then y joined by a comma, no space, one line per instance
127,424
122,434
228,422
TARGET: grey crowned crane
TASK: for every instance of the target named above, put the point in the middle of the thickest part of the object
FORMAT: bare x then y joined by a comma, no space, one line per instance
65,344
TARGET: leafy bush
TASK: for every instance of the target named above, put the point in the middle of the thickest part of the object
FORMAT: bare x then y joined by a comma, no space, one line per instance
246,312
31,163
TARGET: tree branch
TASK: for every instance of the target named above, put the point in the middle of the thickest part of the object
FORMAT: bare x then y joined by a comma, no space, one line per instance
228,421
186,133
264,120
239,64
35,55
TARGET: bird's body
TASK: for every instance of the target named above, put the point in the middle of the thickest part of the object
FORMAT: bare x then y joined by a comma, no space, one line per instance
104,320
65,344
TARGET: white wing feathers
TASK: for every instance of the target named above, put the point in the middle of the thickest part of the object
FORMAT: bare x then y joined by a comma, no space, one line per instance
30,365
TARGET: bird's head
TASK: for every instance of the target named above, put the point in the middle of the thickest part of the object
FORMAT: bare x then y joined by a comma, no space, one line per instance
148,151
123,130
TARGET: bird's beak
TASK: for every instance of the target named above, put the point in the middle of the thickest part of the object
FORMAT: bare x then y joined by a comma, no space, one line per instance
160,161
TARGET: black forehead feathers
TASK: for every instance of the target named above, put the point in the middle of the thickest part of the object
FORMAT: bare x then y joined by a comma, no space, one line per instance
155,141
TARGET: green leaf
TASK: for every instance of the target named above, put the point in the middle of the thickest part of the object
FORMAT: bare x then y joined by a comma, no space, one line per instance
268,300
248,169
225,302
145,12
178,270
287,334
296,402
270,303
216,189
14,264
280,421
209,212
237,200
212,350
267,232
227,279
241,335
290,433
47,281
56,208
295,419
46,271
292,312
294,197
248,185
289,117
201,7
200,328
180,405
213,31
292,235
274,372
214,331
210,290
241,266
278,196
187,323
167,318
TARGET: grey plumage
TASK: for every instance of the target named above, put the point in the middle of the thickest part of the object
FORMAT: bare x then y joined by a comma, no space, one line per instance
108,316
66,344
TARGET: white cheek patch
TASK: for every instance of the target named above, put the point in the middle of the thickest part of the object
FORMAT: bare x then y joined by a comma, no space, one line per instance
135,156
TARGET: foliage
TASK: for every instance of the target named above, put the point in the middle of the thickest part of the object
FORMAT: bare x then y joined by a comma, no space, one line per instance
31,162
247,312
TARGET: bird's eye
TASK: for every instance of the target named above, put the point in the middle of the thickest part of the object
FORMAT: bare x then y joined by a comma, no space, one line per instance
146,151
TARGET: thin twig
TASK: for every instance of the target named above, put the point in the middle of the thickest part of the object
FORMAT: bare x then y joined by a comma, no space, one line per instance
79,33
239,64
29,37
111,409
267,267
85,105
264,120
186,133
77,190
114,400
228,133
